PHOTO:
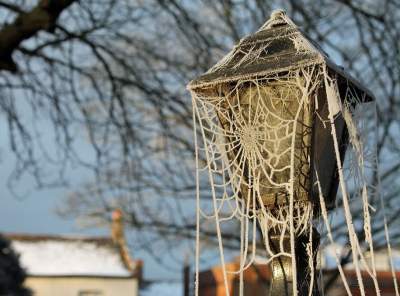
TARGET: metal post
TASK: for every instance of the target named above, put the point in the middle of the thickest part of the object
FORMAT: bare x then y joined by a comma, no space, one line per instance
186,279
281,266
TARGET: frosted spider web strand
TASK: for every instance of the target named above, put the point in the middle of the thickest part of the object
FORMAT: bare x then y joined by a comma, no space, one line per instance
333,103
324,213
197,251
305,95
291,202
292,211
362,157
241,254
209,161
244,253
254,197
254,235
309,249
389,248
211,180
358,146
387,237
217,224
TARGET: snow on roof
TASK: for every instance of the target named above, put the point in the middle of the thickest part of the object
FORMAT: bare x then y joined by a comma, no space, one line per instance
69,256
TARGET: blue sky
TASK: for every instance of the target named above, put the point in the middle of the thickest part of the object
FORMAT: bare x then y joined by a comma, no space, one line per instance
30,210
34,210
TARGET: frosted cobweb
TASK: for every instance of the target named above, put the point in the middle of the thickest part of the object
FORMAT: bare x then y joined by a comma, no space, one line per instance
256,148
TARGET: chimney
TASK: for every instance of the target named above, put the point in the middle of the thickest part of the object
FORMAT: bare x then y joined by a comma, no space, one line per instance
117,227
118,238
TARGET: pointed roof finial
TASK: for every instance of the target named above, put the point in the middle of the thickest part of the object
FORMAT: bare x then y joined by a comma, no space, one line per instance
278,17
277,13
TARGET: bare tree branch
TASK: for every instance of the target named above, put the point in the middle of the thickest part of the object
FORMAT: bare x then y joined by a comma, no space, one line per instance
27,24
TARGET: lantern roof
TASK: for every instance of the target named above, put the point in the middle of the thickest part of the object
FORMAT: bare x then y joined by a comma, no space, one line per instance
277,47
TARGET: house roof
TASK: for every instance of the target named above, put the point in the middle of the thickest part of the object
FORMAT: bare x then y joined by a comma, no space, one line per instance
277,47
56,256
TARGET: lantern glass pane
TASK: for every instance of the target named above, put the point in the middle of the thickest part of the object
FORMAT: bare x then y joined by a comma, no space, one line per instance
266,123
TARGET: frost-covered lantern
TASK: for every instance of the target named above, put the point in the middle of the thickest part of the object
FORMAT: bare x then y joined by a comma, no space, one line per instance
275,117
271,98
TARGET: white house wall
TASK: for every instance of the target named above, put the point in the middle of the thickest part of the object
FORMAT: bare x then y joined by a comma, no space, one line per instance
67,286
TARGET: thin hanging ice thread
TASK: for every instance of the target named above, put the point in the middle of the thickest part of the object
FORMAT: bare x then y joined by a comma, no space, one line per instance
330,236
382,205
197,251
332,101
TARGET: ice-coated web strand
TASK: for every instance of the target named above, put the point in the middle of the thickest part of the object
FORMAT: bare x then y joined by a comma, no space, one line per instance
359,151
389,248
360,180
382,204
242,248
311,255
291,204
361,159
333,103
197,251
324,213
217,222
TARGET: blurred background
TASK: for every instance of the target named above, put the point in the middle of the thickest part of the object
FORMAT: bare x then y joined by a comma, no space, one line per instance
96,146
